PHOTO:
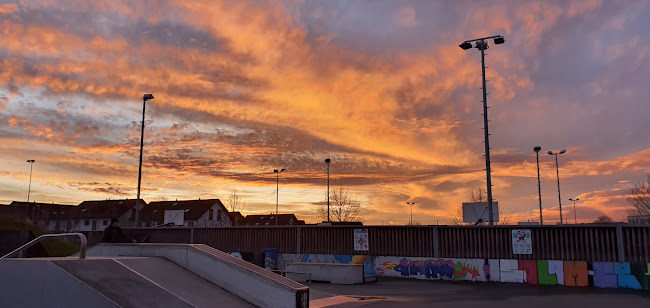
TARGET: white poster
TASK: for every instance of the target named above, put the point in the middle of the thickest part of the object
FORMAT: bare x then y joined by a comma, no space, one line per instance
522,243
177,217
361,239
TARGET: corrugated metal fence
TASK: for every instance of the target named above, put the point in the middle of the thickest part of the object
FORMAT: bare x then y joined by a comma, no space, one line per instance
570,243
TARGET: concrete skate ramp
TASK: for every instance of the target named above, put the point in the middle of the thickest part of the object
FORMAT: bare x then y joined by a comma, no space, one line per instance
107,282
252,283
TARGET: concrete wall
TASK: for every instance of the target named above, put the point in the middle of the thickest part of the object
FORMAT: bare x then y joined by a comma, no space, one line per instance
254,284
19,288
543,272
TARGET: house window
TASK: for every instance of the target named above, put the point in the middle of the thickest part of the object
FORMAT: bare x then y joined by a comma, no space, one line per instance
105,222
219,215
86,222
211,214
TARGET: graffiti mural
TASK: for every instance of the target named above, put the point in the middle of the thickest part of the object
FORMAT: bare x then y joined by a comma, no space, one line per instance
426,268
543,272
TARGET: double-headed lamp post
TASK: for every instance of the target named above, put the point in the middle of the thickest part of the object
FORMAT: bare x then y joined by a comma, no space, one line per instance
29,186
277,191
482,45
575,214
411,204
557,170
145,98
327,161
539,184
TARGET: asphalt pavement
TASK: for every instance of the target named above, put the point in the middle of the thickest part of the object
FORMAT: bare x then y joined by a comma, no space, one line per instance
395,292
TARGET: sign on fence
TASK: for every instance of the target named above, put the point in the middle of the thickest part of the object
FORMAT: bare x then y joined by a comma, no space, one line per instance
360,239
522,243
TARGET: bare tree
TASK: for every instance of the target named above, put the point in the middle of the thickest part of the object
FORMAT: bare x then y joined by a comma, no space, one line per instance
639,198
236,202
504,218
344,206
604,220
204,222
477,194
458,219
158,197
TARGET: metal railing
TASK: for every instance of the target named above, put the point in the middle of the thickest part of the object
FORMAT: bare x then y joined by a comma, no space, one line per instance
19,250
604,243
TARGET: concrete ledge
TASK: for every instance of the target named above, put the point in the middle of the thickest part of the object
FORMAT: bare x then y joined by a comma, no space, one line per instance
332,272
254,284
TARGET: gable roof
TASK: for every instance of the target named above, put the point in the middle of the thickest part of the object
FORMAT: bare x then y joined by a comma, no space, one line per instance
269,220
155,211
106,208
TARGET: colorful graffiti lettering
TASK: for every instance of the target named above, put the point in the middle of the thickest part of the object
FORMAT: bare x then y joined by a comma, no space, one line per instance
461,270
428,268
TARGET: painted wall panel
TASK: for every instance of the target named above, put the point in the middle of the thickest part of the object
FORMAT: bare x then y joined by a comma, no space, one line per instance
495,272
576,274
642,273
543,275
510,272
556,267
625,277
530,269
604,276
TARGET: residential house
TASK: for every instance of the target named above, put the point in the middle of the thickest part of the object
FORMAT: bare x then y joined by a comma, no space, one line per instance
97,215
639,220
270,220
49,216
188,213
236,218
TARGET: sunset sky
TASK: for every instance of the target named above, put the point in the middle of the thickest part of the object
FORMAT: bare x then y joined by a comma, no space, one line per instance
380,87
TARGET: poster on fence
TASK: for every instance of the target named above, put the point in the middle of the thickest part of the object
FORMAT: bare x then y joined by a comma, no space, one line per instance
522,243
361,239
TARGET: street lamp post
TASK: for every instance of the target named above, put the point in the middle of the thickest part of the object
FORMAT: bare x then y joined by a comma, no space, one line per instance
145,98
539,184
557,170
327,161
482,45
575,214
277,192
29,187
411,203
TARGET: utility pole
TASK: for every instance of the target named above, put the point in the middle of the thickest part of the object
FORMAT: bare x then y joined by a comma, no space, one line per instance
327,161
31,168
277,192
539,184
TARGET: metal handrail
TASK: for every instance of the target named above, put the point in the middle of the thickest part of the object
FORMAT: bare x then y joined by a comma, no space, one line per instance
19,250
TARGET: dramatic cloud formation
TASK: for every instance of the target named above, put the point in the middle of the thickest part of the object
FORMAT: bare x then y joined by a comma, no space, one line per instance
381,88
